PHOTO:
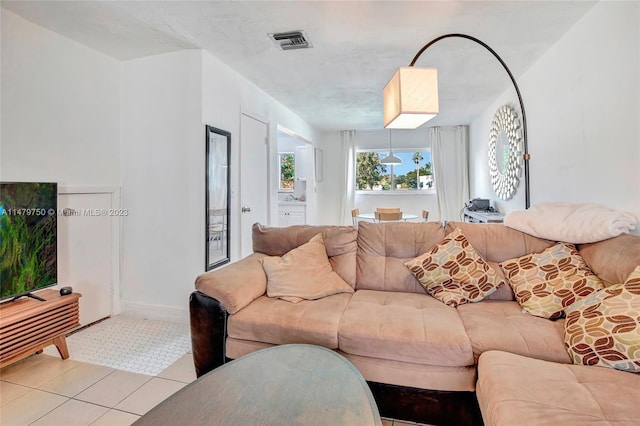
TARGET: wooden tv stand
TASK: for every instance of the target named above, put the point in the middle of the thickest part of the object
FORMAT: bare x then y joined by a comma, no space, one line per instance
28,325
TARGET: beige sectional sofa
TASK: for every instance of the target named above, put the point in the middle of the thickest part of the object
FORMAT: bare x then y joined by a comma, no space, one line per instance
423,359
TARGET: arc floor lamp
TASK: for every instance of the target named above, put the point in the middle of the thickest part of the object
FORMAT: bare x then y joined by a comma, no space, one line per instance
411,98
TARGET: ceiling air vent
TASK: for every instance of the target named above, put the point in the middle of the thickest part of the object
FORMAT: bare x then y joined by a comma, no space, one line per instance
291,40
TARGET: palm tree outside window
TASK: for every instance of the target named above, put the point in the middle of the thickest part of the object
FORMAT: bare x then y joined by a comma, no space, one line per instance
414,174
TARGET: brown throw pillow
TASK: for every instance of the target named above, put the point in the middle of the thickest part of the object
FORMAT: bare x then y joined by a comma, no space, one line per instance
303,273
547,282
604,328
454,273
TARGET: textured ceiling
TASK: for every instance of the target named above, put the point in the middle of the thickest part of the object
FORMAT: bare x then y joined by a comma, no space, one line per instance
357,46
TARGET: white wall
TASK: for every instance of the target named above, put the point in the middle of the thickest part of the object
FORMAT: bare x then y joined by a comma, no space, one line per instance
163,183
225,94
60,108
329,191
75,116
288,143
60,122
167,101
582,100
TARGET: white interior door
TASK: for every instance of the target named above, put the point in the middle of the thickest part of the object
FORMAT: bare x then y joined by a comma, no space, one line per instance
254,178
85,252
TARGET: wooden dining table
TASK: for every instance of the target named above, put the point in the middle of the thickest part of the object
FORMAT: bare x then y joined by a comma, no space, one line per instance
372,216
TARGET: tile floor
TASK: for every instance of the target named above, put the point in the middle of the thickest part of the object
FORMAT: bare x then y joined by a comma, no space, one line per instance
45,390
129,343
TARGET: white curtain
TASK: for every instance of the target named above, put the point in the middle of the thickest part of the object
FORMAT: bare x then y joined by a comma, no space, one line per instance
450,156
348,157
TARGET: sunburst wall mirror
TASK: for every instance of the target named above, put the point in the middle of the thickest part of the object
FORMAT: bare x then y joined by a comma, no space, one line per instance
505,152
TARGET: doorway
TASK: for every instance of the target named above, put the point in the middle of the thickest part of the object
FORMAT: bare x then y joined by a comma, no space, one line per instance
295,185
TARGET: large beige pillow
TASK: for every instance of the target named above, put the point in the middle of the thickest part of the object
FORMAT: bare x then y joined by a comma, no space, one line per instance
303,273
454,273
604,328
547,282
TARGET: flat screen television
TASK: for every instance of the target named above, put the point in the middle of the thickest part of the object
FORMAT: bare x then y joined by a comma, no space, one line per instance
28,237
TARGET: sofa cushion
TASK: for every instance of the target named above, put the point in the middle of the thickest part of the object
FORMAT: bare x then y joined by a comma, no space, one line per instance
340,242
303,273
404,327
547,282
514,390
497,243
501,325
422,376
604,328
278,322
235,348
384,247
453,273
614,259
503,292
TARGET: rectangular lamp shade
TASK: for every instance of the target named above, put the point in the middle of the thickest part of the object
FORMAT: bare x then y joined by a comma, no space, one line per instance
410,98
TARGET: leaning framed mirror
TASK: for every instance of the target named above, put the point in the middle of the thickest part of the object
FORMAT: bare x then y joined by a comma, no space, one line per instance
217,197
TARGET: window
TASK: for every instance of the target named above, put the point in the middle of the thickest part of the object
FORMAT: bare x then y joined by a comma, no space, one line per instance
287,163
414,174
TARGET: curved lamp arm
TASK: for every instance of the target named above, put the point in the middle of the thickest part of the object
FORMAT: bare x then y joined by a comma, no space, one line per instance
526,155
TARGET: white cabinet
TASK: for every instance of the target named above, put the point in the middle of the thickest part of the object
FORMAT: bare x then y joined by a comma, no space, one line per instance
289,215
301,163
482,217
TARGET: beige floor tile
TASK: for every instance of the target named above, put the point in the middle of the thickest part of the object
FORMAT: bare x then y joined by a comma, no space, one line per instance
113,388
182,370
116,418
387,422
149,395
36,370
74,381
30,407
72,413
11,391
24,364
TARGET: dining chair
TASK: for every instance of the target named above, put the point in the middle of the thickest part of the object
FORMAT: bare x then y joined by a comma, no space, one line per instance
216,233
217,226
425,214
354,216
388,216
388,210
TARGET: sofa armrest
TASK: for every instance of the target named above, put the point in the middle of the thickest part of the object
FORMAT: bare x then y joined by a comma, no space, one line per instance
236,285
208,320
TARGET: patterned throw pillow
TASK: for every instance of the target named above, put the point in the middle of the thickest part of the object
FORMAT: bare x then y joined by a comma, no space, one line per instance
547,282
604,328
454,273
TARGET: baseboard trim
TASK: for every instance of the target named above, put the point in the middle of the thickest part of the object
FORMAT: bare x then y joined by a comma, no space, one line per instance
156,312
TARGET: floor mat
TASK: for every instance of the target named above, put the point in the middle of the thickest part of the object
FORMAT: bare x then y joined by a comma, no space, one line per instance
129,343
